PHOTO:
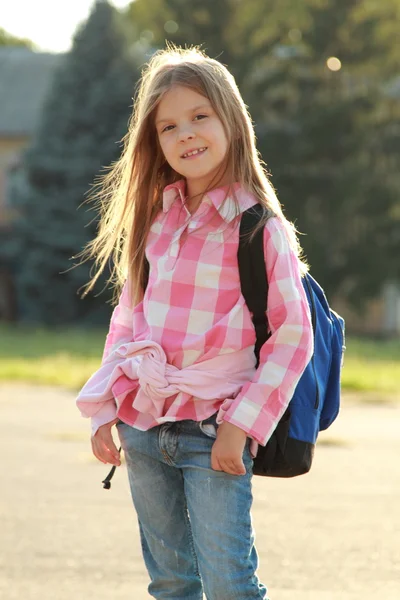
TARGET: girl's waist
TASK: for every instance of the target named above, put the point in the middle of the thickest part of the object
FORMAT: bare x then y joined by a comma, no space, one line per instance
147,362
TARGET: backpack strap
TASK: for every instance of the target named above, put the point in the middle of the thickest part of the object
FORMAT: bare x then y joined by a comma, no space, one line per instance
146,272
252,271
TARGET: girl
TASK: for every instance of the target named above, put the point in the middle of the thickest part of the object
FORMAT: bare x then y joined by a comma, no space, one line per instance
178,375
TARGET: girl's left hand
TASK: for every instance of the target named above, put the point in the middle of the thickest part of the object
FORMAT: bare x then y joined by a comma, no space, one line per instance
227,451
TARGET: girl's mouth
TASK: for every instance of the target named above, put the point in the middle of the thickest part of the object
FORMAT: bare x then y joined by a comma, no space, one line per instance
194,153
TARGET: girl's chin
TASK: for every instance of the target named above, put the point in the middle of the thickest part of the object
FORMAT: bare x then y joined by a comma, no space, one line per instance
197,170
207,175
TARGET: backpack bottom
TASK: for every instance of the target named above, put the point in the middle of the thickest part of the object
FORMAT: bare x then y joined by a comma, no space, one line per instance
283,456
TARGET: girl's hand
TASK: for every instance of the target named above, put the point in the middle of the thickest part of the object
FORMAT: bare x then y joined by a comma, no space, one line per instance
227,451
103,446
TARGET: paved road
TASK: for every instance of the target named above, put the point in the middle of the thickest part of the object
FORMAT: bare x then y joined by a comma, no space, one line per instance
333,534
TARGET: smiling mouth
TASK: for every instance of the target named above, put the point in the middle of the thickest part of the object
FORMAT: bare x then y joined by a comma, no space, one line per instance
194,152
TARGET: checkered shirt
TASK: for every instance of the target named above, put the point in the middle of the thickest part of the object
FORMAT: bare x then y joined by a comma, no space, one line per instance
193,308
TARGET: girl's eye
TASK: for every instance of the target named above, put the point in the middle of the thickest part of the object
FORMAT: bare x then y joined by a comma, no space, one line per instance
169,127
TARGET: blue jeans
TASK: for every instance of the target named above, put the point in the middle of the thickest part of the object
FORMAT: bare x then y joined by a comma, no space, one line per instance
194,522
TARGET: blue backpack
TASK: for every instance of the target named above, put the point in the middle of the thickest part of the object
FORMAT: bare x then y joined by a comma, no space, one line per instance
316,400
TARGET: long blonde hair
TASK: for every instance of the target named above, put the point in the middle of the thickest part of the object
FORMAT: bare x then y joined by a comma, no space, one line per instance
129,195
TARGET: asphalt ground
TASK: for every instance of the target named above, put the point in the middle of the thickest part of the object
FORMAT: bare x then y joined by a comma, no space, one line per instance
333,534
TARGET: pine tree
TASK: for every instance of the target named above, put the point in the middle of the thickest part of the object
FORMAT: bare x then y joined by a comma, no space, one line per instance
84,118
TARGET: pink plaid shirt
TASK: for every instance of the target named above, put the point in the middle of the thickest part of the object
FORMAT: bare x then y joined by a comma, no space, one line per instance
186,350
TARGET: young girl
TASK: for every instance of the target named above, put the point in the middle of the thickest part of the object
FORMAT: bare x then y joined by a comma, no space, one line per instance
178,375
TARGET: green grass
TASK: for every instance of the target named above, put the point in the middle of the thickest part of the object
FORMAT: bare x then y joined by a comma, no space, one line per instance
64,357
67,357
372,366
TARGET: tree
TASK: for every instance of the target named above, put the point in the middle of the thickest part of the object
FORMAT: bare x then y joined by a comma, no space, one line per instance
7,39
321,79
329,137
84,118
237,32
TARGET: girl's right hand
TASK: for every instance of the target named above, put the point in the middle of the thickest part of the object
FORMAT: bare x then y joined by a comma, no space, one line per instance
103,446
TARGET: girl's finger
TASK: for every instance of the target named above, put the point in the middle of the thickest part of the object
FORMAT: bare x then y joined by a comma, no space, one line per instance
107,441
227,467
215,463
96,454
109,456
234,467
238,466
103,453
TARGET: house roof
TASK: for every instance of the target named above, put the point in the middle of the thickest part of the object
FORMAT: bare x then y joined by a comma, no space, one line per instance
25,77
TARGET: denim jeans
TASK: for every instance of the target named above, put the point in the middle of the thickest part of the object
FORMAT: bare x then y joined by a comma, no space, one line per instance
194,522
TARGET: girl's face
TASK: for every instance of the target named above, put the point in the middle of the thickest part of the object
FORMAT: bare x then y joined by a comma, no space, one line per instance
192,138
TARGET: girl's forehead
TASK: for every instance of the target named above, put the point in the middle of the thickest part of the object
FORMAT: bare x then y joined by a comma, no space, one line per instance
180,98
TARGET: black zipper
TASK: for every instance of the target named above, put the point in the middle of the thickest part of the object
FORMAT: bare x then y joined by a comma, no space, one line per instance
313,321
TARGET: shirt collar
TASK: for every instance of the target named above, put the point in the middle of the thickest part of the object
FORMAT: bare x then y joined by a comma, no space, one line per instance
172,192
227,210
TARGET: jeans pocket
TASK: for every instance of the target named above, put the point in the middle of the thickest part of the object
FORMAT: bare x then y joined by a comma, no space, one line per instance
209,426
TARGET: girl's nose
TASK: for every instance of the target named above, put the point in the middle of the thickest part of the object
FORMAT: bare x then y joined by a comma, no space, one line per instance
185,134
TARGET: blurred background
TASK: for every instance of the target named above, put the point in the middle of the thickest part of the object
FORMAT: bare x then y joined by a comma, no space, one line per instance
322,82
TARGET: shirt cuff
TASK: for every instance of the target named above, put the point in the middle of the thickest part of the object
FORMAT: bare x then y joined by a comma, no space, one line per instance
107,413
240,411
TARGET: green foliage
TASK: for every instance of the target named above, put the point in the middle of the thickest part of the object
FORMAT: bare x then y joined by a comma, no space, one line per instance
7,39
329,138
84,118
237,32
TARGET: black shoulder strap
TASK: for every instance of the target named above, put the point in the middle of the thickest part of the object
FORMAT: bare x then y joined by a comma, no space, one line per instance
146,272
252,271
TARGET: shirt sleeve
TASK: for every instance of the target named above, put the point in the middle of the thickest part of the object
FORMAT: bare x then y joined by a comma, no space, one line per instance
120,331
262,401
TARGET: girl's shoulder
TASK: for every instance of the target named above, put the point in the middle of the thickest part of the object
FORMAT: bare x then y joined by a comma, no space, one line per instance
279,239
275,228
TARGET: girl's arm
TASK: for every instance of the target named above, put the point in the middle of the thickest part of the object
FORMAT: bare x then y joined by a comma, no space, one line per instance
121,323
120,332
262,402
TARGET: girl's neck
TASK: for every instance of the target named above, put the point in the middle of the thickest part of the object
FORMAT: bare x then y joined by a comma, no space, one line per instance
193,202
195,191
